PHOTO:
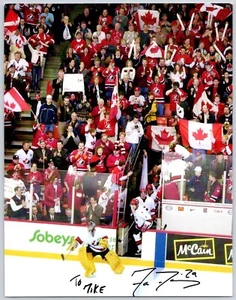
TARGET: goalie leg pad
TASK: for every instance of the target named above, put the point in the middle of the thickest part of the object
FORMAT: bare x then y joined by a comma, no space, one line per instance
114,261
86,262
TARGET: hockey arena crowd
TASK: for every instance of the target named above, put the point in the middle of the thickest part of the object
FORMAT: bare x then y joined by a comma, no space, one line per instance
148,70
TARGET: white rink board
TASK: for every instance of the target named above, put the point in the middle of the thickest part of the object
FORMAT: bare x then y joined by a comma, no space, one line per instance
185,216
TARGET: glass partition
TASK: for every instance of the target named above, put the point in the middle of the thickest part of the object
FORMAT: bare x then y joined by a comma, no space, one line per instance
69,196
198,178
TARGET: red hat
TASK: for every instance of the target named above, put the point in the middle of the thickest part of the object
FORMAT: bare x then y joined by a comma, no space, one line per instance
137,89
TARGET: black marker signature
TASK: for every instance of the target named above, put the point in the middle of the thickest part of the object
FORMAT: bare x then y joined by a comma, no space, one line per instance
90,288
186,277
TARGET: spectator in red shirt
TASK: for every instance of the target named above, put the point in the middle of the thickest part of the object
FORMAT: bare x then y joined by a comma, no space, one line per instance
97,161
36,178
114,159
107,145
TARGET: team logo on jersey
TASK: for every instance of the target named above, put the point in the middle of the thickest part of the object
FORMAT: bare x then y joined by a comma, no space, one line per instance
194,249
228,250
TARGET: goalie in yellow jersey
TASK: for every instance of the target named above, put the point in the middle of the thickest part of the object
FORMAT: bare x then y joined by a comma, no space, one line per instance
94,245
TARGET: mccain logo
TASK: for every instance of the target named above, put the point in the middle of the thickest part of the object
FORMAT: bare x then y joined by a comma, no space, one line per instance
228,254
194,249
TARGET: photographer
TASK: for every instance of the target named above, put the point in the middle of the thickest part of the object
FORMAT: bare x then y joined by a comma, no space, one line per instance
134,131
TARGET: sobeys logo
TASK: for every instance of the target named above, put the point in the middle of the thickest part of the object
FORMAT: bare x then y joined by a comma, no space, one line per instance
194,249
228,254
49,238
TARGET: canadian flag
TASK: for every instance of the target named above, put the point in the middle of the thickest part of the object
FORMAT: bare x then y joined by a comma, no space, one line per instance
200,100
220,13
200,135
15,102
160,136
149,17
11,20
153,50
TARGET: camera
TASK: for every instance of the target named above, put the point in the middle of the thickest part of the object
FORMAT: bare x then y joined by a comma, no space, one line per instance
136,126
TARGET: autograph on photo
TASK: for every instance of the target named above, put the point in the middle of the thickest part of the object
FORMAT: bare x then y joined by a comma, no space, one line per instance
187,277
91,288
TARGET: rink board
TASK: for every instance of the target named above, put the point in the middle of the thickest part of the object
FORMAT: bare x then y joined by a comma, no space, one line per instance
160,248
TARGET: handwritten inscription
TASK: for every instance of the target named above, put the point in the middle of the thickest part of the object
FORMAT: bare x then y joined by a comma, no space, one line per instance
90,288
187,278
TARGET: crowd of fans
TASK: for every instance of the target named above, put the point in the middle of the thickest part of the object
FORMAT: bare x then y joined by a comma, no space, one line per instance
97,131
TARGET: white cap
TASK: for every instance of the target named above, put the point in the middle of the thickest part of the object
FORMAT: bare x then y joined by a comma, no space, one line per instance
49,97
198,169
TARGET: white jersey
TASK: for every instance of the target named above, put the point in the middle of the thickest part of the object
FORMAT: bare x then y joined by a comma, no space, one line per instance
21,66
141,216
25,158
147,204
90,141
92,240
103,200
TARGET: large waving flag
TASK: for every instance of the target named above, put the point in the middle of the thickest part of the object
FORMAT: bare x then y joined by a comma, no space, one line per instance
11,20
160,136
219,12
200,135
15,102
153,50
200,100
149,17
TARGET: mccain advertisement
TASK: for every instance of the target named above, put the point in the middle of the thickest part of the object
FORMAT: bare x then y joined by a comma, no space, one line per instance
199,249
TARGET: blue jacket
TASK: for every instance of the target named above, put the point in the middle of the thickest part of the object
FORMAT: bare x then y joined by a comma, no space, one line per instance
48,114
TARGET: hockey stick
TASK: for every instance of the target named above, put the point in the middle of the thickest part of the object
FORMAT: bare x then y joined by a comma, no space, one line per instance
63,256
162,228
121,240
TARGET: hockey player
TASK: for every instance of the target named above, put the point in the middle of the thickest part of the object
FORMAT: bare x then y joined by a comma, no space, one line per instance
147,202
95,244
143,222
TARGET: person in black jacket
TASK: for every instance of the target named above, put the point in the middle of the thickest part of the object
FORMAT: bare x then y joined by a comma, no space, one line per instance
42,155
16,206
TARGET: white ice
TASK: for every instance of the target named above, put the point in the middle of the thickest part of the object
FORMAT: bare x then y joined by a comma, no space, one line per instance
28,277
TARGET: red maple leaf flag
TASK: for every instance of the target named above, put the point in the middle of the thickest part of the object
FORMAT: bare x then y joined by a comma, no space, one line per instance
15,102
11,21
160,136
200,135
219,12
153,50
200,100
149,17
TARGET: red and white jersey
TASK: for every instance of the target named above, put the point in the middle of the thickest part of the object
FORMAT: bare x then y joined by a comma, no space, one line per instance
90,141
31,16
105,22
78,45
111,161
100,163
136,101
96,71
116,36
208,77
51,143
141,215
42,39
25,157
80,160
21,66
147,204
110,76
92,240
18,40
108,125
